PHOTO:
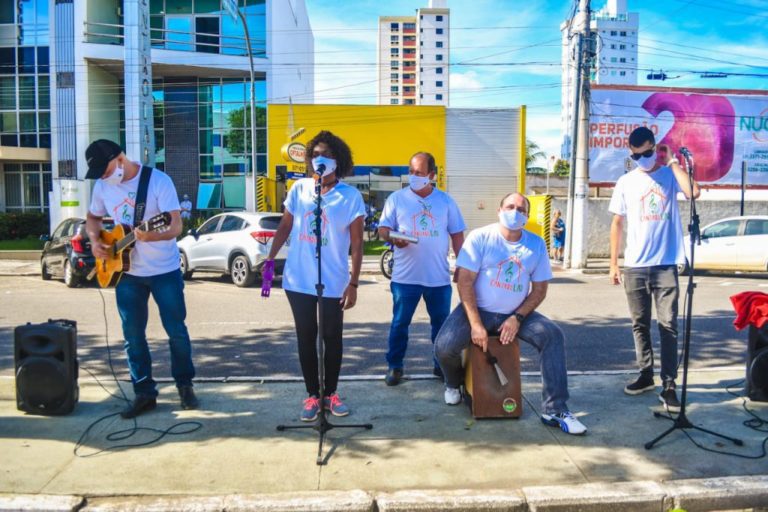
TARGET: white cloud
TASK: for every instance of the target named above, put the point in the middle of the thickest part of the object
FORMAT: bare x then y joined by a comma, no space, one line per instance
466,81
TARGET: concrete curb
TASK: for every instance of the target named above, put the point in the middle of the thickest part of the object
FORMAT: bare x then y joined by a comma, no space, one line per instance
693,495
40,502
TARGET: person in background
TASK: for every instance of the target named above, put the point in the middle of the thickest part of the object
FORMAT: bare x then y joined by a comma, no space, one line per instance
186,207
558,235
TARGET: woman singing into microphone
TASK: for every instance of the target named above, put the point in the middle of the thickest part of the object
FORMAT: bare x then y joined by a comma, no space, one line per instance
343,212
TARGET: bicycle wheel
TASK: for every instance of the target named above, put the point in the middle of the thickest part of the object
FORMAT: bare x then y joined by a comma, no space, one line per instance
387,262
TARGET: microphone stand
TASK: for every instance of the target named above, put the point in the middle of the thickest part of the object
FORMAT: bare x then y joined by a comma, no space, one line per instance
682,422
322,425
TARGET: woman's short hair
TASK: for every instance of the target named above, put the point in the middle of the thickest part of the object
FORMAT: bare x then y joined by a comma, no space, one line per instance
339,149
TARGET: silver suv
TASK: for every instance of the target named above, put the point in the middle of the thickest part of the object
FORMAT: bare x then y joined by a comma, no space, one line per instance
234,243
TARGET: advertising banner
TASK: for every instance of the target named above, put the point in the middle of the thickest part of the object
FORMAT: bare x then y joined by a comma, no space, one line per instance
720,130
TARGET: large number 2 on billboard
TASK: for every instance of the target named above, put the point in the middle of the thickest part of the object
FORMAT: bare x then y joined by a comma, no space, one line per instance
704,124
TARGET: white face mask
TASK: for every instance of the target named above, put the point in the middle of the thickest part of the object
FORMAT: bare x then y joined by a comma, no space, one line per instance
512,219
116,177
646,163
418,182
329,165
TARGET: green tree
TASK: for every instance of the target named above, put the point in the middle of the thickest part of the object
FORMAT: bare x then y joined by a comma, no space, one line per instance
533,153
238,137
562,167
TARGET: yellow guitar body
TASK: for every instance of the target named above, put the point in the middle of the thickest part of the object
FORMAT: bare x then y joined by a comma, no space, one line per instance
108,270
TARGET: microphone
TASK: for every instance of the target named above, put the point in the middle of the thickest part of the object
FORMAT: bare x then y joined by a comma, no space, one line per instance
320,169
685,152
689,159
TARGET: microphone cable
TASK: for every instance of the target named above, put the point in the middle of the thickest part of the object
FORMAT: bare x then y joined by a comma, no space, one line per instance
117,436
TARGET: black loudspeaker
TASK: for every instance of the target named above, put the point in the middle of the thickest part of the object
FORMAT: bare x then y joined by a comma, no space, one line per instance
46,367
757,364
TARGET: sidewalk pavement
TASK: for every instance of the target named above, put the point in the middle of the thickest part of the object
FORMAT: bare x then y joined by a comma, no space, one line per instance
421,454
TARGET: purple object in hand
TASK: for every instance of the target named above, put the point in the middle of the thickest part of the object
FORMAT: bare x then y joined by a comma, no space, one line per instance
267,274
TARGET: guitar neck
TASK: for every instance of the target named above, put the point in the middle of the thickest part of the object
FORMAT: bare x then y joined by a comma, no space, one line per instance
129,239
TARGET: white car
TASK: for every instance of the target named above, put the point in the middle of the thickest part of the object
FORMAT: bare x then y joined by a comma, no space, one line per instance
234,243
735,243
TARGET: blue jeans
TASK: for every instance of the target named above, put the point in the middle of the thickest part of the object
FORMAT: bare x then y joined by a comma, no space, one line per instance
405,298
537,330
660,284
132,303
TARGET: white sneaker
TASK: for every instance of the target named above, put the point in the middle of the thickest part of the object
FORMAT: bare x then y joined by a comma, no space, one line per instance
452,396
566,421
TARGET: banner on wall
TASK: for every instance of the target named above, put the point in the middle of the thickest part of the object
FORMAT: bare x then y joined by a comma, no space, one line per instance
722,129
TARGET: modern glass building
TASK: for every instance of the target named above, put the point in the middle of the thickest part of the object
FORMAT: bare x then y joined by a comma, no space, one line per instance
63,84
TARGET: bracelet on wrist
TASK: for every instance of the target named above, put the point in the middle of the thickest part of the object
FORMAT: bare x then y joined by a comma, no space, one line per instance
354,285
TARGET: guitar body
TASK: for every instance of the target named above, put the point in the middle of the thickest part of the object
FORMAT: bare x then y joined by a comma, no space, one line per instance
120,240
108,270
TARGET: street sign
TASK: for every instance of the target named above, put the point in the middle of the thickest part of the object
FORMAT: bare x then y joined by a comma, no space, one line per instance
231,8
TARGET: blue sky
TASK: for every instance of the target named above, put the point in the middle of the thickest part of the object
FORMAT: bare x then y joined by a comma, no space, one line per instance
513,50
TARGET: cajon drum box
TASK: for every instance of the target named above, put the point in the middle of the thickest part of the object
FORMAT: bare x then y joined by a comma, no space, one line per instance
484,392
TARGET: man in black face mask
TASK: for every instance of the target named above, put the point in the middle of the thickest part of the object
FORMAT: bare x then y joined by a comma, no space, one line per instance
647,198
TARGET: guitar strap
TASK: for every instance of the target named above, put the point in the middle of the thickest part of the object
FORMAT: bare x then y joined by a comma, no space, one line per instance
141,195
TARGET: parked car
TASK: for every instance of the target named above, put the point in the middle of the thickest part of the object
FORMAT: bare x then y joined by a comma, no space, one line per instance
735,243
234,243
67,252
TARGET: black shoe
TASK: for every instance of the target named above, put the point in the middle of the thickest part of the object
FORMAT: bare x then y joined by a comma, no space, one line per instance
669,398
394,376
641,385
188,398
140,405
438,372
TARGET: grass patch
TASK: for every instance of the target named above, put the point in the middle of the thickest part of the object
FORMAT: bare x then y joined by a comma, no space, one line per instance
374,247
23,244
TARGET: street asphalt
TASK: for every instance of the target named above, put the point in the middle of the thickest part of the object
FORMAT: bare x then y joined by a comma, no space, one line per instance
420,455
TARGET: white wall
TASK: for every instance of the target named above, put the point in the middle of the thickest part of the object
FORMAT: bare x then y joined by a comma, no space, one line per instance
290,50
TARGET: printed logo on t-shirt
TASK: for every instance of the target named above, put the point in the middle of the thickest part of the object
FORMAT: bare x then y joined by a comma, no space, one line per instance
123,212
654,204
308,233
509,274
424,222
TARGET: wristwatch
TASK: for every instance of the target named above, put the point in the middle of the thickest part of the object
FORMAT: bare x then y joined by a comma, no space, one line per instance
520,317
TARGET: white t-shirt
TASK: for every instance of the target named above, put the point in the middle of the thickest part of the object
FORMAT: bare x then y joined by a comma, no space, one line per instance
649,203
119,201
341,205
504,269
432,220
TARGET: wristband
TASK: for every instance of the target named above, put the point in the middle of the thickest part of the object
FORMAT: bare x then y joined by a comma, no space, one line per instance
520,317
354,285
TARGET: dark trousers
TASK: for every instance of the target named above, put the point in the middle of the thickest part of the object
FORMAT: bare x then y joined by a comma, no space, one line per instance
304,308
658,284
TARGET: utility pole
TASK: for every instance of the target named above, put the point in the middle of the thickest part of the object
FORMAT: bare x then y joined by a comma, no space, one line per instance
578,180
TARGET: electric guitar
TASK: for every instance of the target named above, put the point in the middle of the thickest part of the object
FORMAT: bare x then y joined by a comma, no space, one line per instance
120,241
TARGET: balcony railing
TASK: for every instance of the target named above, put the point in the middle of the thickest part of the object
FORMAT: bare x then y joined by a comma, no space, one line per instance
201,42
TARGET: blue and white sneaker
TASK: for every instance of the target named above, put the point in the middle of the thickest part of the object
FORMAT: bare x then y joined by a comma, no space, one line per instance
566,421
310,409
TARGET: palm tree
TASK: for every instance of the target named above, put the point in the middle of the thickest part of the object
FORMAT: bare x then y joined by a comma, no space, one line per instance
532,153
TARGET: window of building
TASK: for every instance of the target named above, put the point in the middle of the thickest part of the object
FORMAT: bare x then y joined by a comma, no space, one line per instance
409,101
439,83
27,186
622,59
394,101
439,56
394,64
613,59
394,27
613,73
407,26
438,31
623,33
394,75
622,73
394,51
439,44
614,33
394,89
613,47
439,18
439,71
421,43
394,39
438,97
622,47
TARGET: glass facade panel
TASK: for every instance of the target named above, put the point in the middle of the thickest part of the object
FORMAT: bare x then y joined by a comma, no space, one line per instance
7,93
44,121
178,6
27,92
12,189
7,11
205,25
179,33
206,141
8,122
207,6
7,61
32,189
27,122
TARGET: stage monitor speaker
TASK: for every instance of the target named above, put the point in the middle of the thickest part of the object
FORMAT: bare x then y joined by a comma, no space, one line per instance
757,364
46,367
492,380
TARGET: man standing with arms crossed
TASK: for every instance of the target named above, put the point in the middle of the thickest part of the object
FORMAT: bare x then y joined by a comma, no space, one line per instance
420,269
647,198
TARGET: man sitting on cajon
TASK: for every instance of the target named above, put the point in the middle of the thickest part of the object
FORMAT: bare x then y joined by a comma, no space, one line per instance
503,278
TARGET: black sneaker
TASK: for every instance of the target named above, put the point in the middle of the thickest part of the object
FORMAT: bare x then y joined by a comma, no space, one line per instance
394,376
188,398
641,385
140,404
668,397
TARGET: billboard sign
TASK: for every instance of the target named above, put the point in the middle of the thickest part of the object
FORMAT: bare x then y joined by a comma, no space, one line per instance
720,130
